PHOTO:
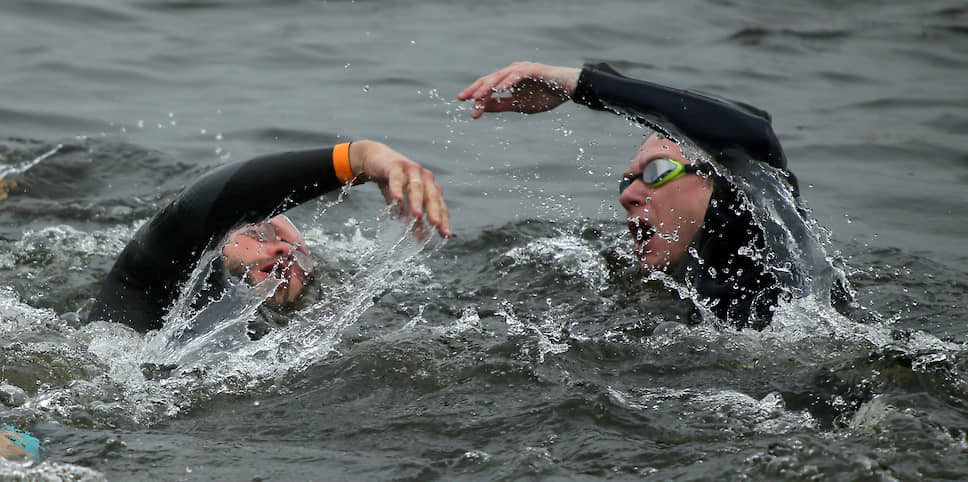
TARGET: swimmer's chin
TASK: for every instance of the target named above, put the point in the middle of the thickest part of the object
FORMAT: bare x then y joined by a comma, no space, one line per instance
283,301
647,266
289,293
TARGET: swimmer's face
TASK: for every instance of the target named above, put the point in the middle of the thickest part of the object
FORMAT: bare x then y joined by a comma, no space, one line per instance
274,248
663,221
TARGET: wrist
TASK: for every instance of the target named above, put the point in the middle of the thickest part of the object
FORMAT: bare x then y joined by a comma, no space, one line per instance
342,167
360,153
569,81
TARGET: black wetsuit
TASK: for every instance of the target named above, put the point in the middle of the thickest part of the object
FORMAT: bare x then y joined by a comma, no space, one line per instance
728,274
147,276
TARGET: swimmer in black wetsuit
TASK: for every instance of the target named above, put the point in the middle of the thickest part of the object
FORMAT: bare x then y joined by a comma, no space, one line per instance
684,213
244,201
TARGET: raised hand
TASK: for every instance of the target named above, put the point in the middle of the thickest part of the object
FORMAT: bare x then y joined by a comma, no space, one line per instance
526,87
403,181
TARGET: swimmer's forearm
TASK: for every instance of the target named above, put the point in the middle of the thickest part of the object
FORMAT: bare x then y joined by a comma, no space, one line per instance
717,125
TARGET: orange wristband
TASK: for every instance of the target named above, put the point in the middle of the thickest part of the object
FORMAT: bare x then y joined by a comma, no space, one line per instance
341,163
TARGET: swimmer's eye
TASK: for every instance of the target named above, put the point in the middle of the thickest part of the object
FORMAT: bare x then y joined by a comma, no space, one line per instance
657,173
262,233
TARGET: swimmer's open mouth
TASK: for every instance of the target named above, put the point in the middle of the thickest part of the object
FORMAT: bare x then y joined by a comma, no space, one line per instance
280,268
283,268
642,233
271,267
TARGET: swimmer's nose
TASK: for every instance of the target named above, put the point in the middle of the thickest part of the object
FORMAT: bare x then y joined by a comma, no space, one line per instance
636,195
280,248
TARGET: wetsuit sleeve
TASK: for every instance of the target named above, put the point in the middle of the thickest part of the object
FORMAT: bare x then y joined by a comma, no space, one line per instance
146,277
723,128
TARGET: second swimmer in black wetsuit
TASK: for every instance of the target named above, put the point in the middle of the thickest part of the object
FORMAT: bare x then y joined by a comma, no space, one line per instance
685,211
236,209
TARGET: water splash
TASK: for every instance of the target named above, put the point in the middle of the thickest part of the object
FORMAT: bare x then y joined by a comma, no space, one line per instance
10,171
550,336
394,255
797,252
312,332
737,414
47,470
567,253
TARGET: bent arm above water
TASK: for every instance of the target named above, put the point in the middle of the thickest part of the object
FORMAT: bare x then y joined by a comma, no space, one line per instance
723,128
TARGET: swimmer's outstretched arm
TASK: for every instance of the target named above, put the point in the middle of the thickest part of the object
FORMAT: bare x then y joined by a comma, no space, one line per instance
719,126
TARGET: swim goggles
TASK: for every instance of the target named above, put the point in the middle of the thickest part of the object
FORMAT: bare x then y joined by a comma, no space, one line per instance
268,231
659,172
285,232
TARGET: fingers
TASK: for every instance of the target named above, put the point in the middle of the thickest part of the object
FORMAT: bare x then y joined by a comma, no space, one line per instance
415,193
525,87
423,195
396,179
501,80
434,206
487,85
403,182
482,90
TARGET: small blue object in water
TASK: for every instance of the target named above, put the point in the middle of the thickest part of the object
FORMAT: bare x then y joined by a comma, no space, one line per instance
18,444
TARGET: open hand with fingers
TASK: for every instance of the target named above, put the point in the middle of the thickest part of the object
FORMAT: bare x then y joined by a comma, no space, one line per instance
403,181
525,87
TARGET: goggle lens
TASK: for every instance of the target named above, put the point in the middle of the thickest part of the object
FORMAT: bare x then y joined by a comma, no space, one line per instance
657,173
278,228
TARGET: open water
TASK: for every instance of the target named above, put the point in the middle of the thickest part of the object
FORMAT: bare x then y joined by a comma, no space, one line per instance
527,347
